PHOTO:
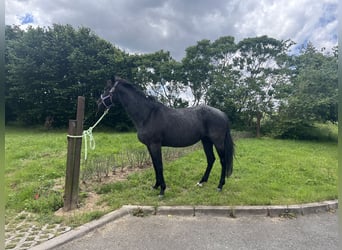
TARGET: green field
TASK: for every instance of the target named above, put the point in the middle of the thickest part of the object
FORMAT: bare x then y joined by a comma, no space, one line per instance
266,172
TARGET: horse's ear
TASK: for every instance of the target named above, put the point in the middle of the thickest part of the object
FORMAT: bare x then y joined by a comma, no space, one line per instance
113,78
117,78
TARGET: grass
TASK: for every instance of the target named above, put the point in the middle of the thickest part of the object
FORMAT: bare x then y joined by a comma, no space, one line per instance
35,159
266,172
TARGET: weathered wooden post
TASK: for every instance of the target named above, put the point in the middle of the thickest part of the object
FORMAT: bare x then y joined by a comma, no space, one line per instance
74,157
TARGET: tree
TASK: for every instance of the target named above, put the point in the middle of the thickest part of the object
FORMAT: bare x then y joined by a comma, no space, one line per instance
25,70
260,70
12,35
197,69
316,97
221,92
159,74
47,68
313,93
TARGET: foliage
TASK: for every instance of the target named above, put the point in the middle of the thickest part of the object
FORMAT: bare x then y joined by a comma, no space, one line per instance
47,68
221,93
197,69
315,98
260,71
254,81
317,131
159,74
312,95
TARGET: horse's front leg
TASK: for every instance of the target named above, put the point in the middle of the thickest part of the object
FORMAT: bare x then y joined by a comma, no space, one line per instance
156,156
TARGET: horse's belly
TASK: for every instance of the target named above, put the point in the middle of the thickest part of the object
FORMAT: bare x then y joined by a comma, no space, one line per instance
180,140
179,144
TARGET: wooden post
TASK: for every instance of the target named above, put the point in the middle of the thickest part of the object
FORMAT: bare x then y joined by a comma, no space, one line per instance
74,158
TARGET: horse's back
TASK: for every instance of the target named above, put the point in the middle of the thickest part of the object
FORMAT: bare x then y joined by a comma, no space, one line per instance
185,126
213,116
203,121
198,118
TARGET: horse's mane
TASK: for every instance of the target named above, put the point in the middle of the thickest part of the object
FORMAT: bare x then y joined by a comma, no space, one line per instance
137,89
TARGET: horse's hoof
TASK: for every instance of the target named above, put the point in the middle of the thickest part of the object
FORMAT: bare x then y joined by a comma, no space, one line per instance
161,196
199,184
219,189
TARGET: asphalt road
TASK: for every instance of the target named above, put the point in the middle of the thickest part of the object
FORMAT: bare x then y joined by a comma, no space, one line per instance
315,231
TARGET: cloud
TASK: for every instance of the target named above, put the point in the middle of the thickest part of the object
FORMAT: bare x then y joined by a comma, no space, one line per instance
173,25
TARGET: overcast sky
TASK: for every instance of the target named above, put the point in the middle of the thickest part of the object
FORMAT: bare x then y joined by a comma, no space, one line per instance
145,26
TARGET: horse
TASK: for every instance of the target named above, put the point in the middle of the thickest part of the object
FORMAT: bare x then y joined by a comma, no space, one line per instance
158,125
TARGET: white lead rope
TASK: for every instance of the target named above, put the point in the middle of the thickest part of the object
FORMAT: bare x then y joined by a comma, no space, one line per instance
89,133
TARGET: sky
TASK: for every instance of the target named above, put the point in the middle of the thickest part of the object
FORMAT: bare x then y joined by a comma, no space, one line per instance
147,26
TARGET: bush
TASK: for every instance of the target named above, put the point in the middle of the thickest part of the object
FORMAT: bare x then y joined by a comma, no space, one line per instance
325,132
301,131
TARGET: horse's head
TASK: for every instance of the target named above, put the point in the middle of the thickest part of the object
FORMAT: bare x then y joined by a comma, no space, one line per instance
106,100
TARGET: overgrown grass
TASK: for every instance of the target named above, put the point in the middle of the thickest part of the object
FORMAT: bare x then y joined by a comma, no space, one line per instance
325,132
266,171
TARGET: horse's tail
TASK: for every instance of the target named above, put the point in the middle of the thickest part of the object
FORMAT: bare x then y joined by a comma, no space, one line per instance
229,153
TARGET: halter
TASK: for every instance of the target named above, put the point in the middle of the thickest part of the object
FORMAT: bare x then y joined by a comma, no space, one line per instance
110,96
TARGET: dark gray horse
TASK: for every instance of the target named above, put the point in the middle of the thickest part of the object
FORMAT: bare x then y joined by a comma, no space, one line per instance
158,125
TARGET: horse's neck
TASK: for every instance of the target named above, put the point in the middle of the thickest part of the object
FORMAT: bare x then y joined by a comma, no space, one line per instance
138,107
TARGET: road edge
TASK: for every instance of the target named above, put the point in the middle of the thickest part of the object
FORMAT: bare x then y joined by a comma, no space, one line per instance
226,211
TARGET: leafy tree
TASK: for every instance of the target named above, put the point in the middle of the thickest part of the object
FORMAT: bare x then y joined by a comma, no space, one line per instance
47,68
312,95
25,69
260,68
197,69
13,33
317,86
159,74
221,92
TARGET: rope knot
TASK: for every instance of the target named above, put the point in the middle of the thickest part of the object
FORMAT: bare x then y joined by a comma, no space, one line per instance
89,134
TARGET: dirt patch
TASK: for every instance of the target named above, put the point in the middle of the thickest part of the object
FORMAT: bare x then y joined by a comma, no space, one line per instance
89,204
91,201
119,175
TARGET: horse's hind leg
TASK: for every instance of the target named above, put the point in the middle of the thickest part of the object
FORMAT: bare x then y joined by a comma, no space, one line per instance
208,149
220,152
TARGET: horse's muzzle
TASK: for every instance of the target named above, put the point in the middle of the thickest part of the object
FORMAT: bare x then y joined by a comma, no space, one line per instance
103,103
106,101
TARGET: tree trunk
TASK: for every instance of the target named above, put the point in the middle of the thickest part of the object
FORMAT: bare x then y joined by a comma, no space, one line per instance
259,116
